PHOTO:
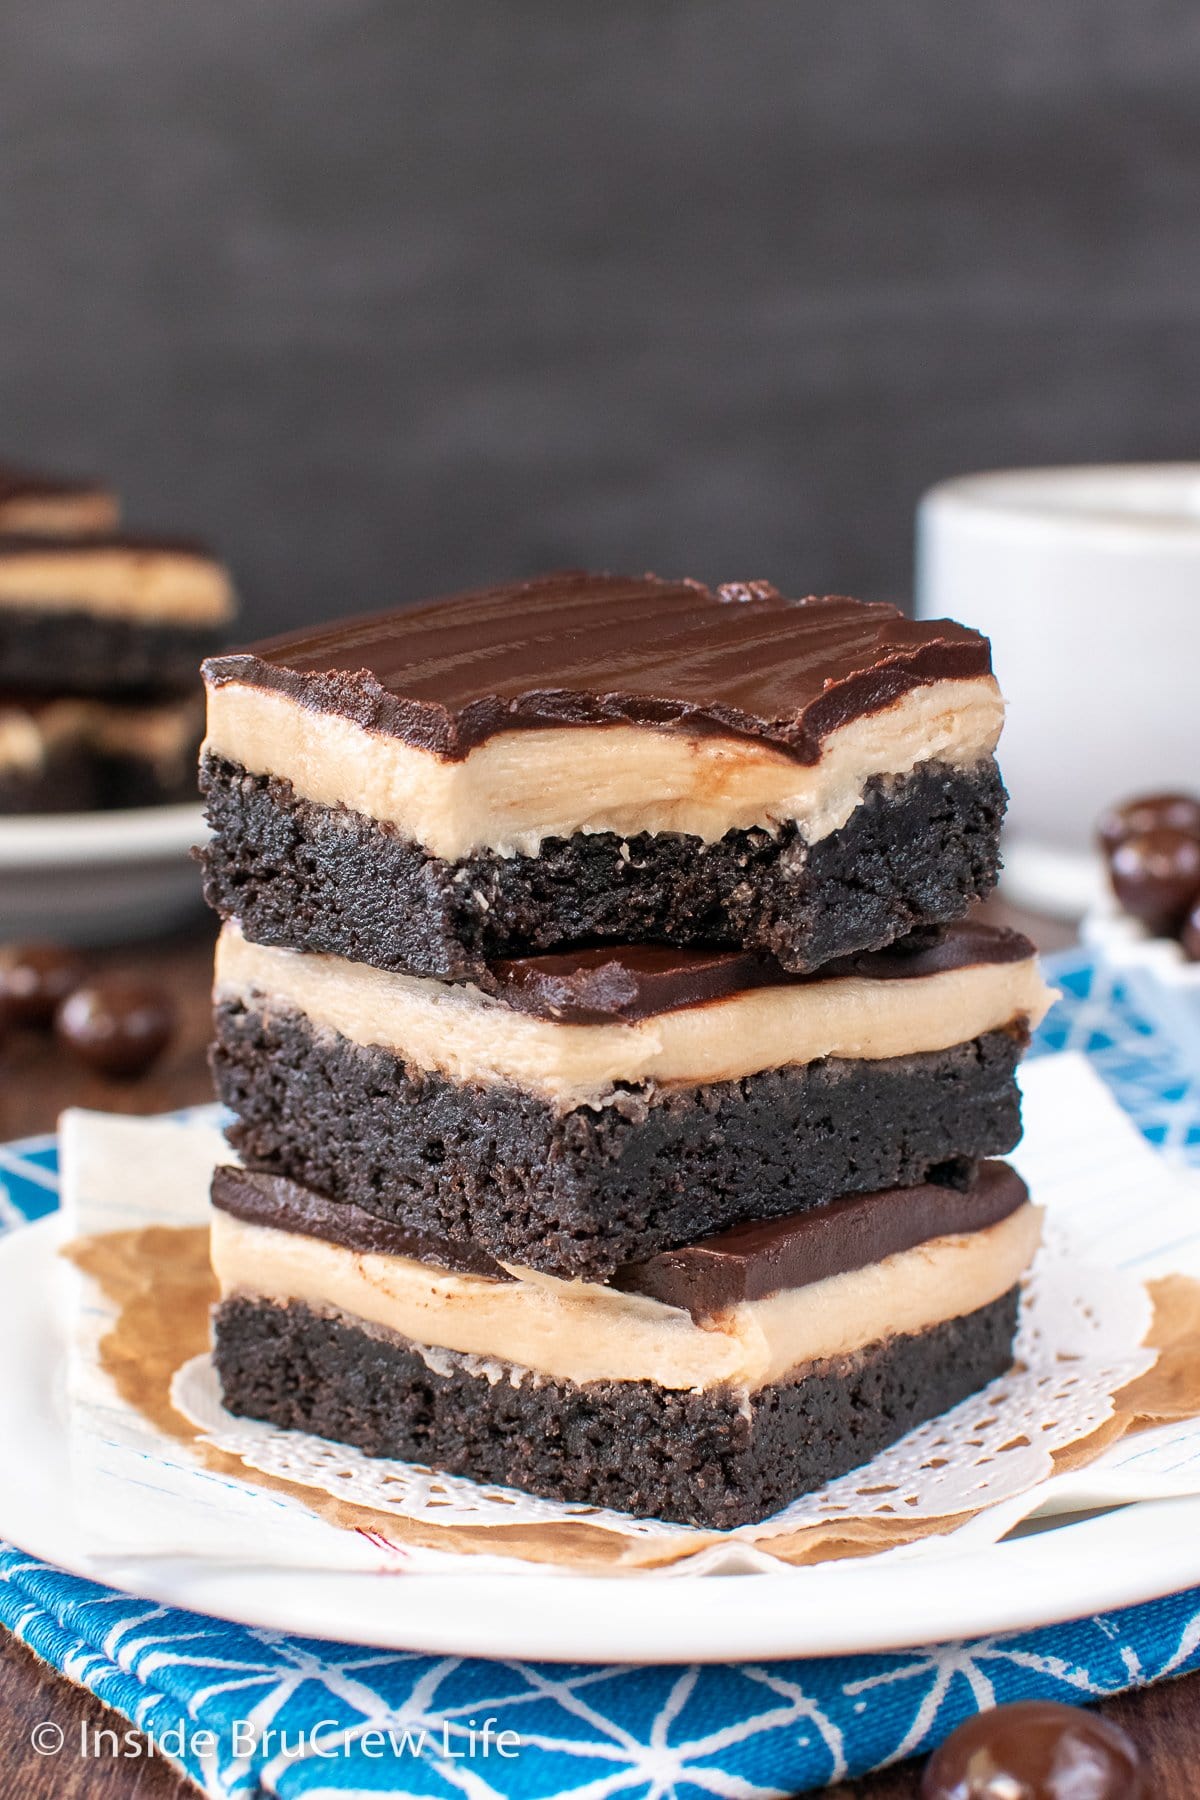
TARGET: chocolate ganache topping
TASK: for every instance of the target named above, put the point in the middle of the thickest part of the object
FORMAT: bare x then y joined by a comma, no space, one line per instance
628,982
582,649
749,1262
29,545
27,484
282,1205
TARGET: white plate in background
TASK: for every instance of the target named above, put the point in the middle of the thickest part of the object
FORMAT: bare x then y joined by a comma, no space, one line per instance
100,877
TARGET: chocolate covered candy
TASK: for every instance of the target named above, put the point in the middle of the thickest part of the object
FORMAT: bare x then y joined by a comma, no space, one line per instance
116,1026
1149,812
1189,937
35,978
1156,877
1035,1750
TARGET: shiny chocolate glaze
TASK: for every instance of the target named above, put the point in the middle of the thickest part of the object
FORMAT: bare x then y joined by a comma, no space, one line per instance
283,1205
751,1261
636,981
582,649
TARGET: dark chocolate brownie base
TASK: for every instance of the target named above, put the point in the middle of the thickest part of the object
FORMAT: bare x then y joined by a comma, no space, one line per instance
81,653
129,781
917,852
65,782
78,781
582,1192
708,1459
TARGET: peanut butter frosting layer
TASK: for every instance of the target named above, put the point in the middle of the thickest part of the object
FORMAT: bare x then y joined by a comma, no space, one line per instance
514,789
143,579
32,732
583,1331
471,1036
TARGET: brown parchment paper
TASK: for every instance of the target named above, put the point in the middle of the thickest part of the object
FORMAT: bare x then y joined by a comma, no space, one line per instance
160,1282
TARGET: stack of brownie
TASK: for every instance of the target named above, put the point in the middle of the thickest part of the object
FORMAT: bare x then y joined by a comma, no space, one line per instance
614,1070
100,635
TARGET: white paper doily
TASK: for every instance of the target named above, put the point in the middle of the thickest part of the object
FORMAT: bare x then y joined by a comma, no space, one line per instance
1080,1342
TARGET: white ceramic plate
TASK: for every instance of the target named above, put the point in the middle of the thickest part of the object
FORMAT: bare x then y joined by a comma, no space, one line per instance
101,877
1133,1554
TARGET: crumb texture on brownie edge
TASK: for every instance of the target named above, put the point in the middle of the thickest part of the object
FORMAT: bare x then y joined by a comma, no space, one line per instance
711,1459
582,1193
917,851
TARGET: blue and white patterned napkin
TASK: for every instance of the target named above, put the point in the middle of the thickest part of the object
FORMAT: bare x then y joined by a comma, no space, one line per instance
332,1720
247,1711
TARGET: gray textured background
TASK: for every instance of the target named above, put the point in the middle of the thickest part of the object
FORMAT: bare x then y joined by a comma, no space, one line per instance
388,298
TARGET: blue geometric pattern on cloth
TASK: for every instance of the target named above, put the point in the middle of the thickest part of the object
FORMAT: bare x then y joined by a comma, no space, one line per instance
1147,1074
377,1723
745,1729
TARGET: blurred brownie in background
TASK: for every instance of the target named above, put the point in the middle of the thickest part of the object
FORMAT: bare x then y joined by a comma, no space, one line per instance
50,505
101,637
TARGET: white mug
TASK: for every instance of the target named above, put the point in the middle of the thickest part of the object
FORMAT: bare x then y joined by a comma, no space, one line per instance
1087,581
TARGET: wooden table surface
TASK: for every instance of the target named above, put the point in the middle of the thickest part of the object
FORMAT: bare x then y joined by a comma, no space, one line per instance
36,1082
